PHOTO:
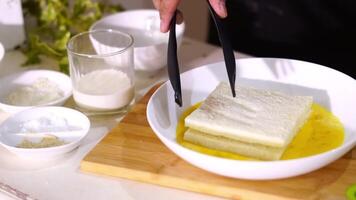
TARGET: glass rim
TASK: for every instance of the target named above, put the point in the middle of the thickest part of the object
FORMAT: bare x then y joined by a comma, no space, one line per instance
70,50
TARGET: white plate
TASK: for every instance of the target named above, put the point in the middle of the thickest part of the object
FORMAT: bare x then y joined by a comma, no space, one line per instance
330,88
25,78
65,119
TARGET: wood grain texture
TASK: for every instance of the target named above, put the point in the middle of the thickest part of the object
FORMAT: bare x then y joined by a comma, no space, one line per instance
132,151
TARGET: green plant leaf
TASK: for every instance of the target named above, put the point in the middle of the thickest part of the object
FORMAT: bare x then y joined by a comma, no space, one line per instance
64,65
56,22
61,43
32,58
44,47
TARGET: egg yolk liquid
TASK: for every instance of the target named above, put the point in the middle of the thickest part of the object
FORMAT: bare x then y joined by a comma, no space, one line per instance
320,133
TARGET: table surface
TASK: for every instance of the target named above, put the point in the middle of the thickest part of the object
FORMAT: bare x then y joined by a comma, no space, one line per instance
61,178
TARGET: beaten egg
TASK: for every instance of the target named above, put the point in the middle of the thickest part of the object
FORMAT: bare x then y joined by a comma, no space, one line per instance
320,133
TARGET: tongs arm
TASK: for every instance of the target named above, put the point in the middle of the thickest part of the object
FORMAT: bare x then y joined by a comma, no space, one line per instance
172,62
228,51
172,58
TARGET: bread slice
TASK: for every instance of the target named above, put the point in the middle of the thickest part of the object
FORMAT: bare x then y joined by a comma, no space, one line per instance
234,146
258,116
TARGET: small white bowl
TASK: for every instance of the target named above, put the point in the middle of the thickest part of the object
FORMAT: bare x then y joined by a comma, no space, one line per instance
150,45
60,119
9,83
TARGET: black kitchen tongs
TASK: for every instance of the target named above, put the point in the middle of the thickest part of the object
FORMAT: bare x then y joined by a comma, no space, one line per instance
172,60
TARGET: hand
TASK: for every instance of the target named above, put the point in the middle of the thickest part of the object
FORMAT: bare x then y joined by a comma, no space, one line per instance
167,8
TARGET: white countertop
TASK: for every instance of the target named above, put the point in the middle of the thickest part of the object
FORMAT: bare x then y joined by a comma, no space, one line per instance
61,179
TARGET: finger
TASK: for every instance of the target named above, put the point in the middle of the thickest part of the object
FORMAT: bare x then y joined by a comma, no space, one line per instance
166,10
156,3
180,18
219,7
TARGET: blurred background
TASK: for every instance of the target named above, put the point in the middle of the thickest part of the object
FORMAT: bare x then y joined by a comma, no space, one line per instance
196,15
318,31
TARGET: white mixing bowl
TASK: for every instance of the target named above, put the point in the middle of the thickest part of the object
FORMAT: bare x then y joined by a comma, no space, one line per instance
150,45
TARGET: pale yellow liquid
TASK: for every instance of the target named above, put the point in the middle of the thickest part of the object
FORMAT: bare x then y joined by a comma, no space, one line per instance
322,132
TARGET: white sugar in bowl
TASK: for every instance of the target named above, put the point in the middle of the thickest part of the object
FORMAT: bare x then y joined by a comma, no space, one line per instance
44,132
30,88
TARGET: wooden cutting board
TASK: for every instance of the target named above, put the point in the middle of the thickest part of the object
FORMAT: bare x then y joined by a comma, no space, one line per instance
131,150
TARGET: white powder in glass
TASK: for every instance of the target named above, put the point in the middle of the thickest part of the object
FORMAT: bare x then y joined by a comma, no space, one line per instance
106,89
40,92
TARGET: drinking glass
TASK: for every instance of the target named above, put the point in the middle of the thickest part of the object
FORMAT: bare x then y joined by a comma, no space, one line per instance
102,71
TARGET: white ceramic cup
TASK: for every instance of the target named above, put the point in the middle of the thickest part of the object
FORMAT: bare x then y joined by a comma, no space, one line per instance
150,45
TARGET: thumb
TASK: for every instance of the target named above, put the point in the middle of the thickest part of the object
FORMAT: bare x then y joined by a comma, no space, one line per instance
166,9
219,7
